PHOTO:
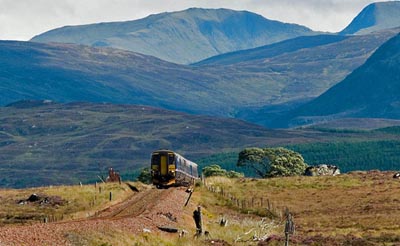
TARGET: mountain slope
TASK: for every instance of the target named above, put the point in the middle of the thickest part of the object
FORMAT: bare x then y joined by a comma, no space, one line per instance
68,72
375,17
181,37
272,50
371,91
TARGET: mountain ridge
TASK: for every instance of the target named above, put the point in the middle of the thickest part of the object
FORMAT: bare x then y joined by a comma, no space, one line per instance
183,36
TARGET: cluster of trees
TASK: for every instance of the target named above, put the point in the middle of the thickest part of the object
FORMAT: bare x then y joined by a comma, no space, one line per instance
348,155
216,170
262,162
272,162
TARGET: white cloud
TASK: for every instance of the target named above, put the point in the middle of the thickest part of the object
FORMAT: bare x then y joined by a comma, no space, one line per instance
22,19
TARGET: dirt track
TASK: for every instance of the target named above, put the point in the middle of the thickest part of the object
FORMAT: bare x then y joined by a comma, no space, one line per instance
140,212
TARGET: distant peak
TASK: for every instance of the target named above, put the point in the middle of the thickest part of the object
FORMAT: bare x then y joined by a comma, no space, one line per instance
374,17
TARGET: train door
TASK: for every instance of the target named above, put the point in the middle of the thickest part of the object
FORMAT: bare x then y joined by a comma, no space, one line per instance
163,165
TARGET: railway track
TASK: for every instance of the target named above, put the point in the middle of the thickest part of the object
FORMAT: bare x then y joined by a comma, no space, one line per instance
135,204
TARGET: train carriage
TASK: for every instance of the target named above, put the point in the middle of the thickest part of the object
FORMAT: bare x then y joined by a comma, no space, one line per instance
171,169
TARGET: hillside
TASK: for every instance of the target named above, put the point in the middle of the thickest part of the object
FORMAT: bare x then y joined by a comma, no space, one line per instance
44,143
371,91
68,72
300,75
181,37
375,17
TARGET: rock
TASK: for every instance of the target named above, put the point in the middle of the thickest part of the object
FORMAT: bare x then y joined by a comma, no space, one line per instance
322,170
33,198
168,229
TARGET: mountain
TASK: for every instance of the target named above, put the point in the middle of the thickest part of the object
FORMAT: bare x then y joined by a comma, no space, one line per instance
371,91
295,71
70,72
375,17
48,143
181,37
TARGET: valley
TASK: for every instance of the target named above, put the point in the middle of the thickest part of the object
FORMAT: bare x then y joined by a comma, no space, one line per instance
257,103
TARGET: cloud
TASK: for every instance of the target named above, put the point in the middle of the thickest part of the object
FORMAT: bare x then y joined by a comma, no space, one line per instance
23,19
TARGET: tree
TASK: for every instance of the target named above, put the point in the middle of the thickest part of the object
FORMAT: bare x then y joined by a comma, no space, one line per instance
145,176
272,162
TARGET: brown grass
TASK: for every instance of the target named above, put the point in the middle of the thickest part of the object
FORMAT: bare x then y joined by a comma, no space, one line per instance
79,202
352,209
359,205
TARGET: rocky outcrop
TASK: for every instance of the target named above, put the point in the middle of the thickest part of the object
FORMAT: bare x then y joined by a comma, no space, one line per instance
322,170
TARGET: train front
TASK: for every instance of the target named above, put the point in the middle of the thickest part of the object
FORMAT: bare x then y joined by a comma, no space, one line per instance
163,168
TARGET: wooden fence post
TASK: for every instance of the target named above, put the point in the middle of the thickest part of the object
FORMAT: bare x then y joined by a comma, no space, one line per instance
198,221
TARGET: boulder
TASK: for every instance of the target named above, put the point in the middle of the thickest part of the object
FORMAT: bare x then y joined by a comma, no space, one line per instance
322,170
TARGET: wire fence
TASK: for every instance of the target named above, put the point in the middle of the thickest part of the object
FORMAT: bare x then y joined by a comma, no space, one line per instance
260,205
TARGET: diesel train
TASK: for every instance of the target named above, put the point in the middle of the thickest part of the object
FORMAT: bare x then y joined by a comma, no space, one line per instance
171,169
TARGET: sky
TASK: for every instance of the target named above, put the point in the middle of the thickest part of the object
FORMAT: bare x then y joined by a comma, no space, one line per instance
23,19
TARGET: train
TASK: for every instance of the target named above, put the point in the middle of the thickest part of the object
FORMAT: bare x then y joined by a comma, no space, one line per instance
169,168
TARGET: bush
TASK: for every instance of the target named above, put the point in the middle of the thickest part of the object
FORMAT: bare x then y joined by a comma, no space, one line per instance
216,170
145,176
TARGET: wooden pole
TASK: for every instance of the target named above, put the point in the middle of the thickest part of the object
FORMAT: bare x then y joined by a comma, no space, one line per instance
198,221
190,195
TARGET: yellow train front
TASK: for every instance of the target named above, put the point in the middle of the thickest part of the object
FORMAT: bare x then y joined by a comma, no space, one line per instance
171,169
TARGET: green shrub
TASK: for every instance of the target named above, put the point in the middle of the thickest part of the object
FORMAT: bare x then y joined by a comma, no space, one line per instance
145,176
216,170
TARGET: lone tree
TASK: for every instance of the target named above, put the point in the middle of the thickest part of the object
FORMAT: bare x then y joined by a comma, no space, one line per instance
272,162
